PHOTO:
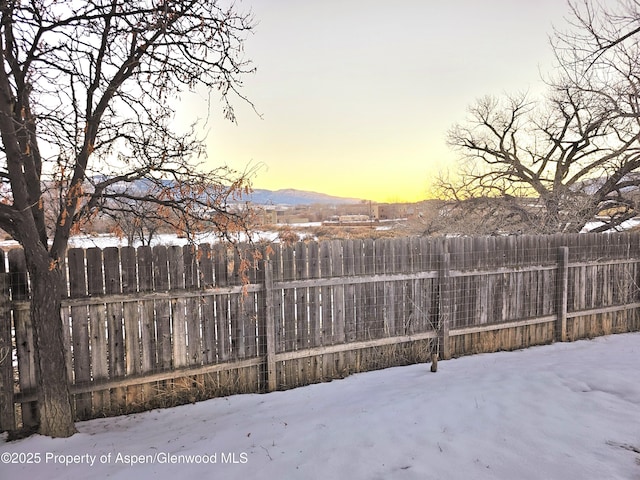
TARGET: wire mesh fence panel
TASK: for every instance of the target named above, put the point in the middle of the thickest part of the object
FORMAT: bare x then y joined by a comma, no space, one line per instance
160,326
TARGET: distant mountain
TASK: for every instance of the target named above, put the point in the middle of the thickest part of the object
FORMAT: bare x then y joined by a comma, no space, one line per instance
287,196
291,196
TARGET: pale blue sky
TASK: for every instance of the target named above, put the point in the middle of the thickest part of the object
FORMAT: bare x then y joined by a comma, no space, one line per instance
357,96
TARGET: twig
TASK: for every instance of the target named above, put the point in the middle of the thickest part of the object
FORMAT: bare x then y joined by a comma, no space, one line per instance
4,354
624,446
264,448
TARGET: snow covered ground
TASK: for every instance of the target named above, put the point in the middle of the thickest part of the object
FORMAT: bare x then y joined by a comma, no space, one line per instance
564,411
167,239
624,226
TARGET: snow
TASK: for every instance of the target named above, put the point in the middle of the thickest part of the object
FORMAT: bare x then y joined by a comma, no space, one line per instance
568,410
167,239
623,227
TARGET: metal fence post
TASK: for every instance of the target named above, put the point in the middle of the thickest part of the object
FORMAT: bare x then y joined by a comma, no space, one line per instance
562,284
444,305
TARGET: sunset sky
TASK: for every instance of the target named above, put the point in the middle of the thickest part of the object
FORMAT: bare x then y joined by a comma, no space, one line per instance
356,96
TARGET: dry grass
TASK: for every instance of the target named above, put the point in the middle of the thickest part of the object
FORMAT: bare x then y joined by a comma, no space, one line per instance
327,367
350,233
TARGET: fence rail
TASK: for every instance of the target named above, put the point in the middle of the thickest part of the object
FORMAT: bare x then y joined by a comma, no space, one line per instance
160,326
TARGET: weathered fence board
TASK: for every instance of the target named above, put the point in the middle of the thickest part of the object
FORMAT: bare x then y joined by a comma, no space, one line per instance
24,347
98,328
115,328
301,312
288,327
80,330
205,259
148,339
221,304
315,312
163,308
7,415
131,319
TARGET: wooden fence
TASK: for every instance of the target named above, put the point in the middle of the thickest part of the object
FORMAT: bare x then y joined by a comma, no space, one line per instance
153,327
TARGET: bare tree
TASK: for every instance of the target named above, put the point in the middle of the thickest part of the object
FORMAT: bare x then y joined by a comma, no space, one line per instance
576,152
87,95
135,221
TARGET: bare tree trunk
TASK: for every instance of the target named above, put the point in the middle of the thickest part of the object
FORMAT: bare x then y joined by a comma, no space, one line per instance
54,400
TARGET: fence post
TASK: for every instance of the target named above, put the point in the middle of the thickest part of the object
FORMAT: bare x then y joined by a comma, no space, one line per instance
269,329
444,305
7,415
562,284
